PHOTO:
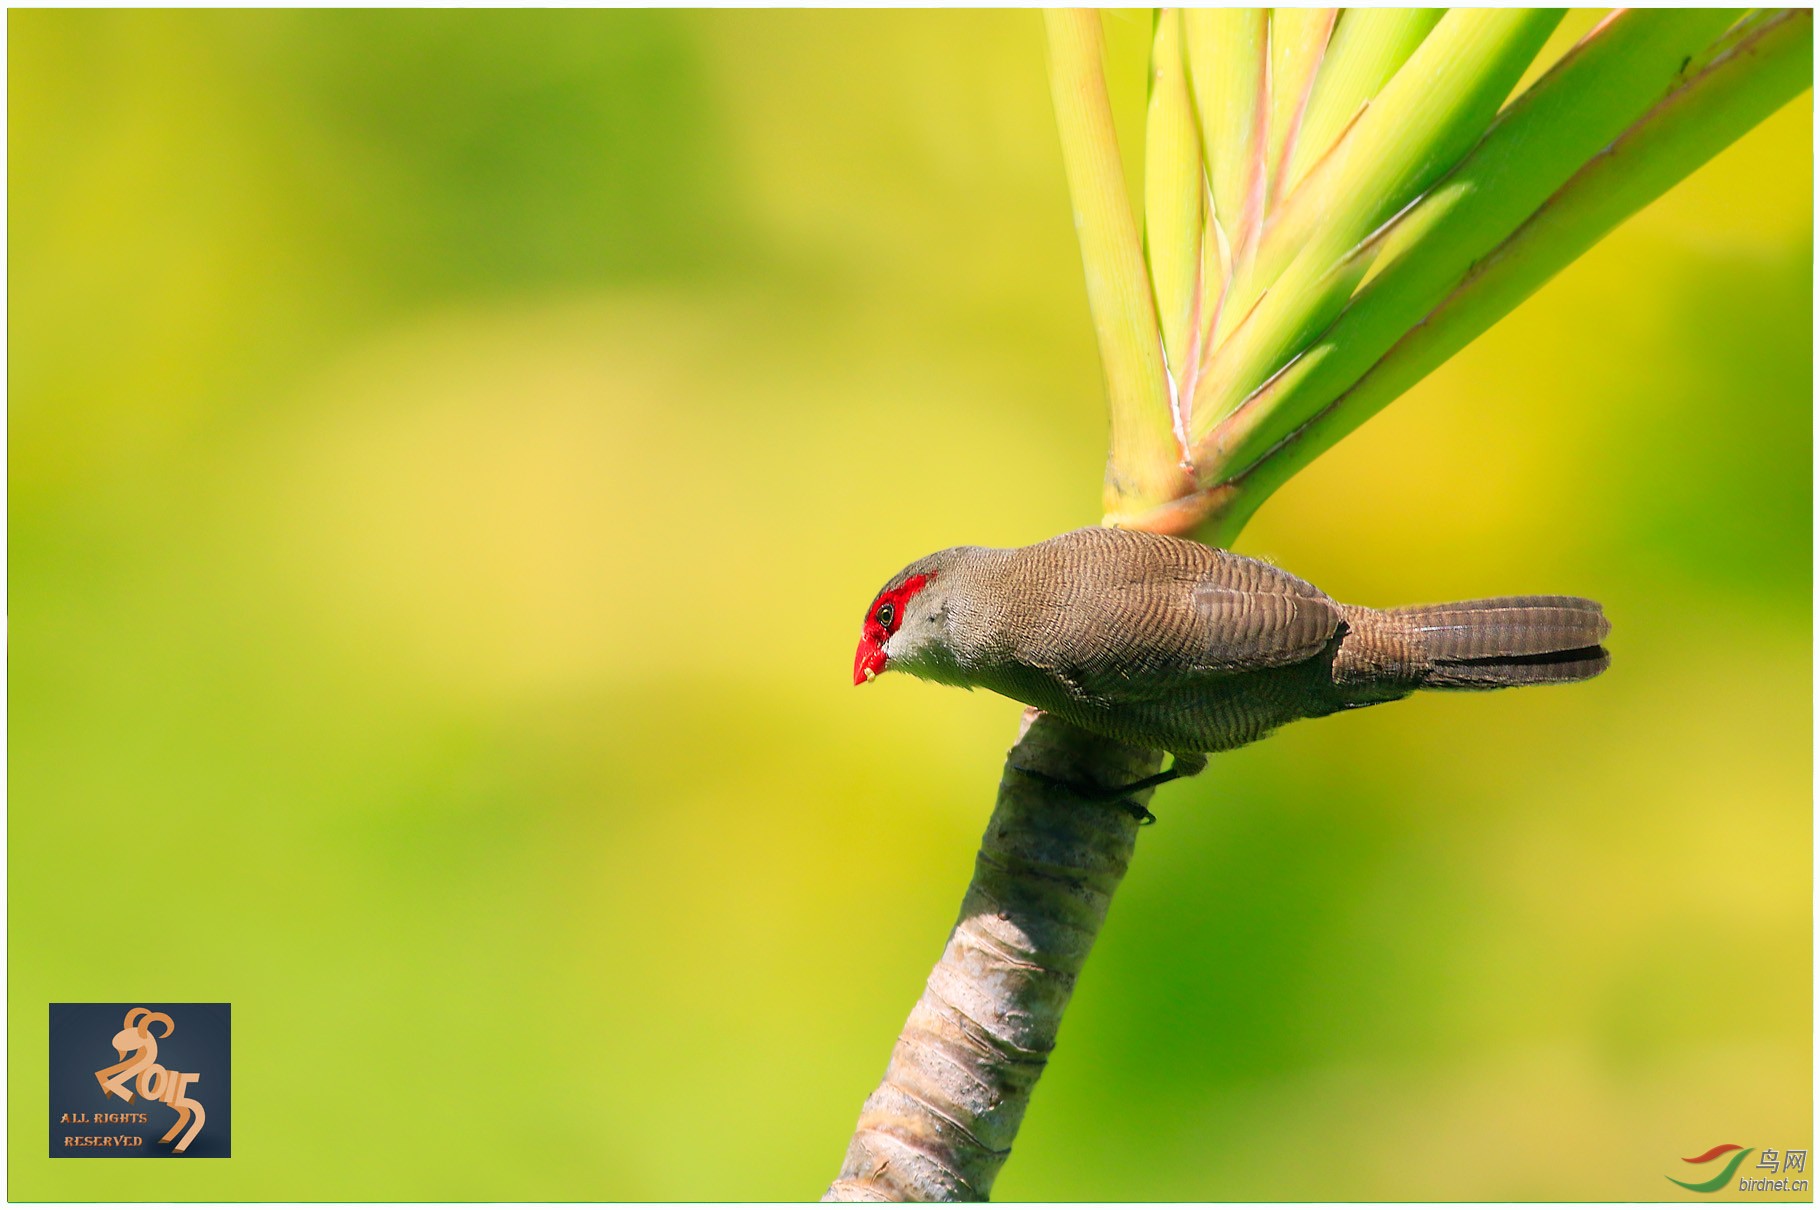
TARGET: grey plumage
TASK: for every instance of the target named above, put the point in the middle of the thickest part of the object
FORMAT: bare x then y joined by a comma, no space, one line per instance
1174,645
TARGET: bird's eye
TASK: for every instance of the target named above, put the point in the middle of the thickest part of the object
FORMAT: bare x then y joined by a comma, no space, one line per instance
886,614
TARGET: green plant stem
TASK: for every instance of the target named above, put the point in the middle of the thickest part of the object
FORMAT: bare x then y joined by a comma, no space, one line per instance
1173,188
1733,93
1229,69
1298,43
1143,465
1587,100
1367,47
1424,121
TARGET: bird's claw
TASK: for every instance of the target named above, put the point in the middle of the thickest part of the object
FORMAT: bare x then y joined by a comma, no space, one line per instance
1137,811
1090,793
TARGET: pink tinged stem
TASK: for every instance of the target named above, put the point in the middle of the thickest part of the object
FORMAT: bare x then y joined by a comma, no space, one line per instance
1304,89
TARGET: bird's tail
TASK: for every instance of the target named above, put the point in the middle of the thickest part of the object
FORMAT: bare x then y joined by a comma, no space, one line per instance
1506,641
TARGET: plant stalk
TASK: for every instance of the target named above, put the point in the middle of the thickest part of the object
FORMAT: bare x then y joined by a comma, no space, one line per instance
1142,468
1767,65
941,1124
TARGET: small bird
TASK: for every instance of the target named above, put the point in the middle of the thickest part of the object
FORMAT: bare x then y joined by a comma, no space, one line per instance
1176,646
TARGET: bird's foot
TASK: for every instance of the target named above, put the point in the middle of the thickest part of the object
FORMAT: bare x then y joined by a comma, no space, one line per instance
1088,792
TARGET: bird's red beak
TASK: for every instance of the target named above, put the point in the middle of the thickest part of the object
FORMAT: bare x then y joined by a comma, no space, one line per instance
868,661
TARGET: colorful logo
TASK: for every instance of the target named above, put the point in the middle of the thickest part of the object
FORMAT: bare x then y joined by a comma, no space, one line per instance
1707,1157
155,1082
140,1080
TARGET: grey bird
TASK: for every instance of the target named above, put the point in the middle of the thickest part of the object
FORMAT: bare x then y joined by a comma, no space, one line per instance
1176,646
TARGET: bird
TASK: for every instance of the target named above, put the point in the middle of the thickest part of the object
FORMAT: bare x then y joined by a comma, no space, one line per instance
1171,645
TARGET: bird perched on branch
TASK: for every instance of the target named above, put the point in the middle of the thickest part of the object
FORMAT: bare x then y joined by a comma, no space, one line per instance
1172,645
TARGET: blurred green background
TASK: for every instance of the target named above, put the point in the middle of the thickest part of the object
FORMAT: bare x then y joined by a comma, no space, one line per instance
451,453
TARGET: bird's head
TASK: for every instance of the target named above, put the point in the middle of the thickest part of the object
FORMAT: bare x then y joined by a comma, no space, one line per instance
906,624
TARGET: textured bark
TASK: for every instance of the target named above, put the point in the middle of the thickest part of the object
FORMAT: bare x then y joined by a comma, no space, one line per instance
941,1124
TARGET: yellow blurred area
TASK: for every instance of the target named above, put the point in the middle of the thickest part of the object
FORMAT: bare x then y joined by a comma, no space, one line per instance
451,453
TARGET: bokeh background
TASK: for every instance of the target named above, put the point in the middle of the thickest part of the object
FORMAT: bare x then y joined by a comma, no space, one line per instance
450,454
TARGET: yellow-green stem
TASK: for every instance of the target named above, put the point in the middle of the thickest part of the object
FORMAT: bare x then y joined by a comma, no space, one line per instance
1142,468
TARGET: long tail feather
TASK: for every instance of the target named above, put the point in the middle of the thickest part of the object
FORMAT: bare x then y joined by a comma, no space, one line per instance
1505,641
1556,668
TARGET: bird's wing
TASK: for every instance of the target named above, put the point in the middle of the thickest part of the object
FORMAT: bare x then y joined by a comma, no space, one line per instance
1248,630
1169,626
1138,617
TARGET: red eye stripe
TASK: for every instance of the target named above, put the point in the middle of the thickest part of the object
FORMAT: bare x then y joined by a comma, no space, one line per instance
899,600
870,659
